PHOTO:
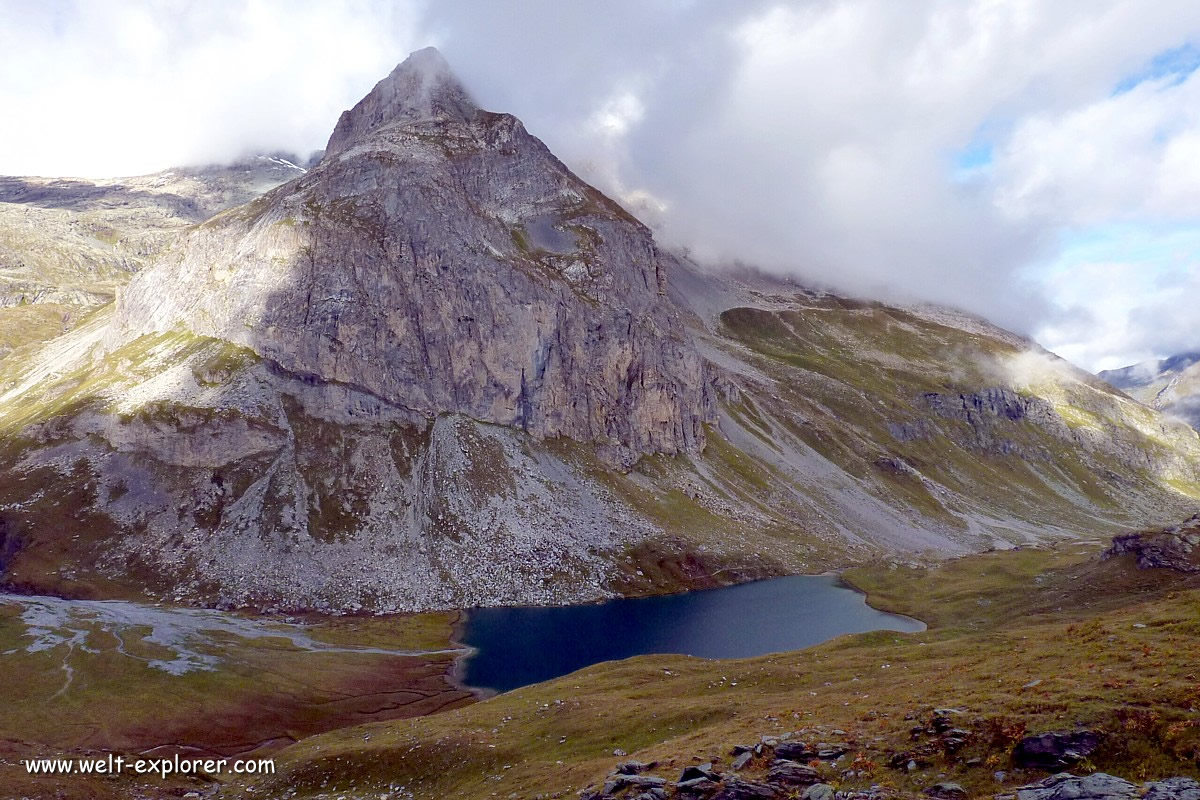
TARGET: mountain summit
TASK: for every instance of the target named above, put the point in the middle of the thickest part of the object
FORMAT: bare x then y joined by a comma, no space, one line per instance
422,87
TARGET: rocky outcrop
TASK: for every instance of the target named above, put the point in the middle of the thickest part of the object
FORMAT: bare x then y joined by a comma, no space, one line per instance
785,768
996,402
989,412
1174,548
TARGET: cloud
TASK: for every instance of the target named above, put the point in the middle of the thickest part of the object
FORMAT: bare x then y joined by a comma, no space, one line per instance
102,87
1129,156
941,150
1129,293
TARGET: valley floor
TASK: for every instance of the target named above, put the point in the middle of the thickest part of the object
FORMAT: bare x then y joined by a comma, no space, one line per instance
85,679
1019,642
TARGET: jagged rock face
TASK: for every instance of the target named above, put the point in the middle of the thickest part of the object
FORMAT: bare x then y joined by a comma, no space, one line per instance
441,258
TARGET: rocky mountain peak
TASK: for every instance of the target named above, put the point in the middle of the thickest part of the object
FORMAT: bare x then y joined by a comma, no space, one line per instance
422,87
442,260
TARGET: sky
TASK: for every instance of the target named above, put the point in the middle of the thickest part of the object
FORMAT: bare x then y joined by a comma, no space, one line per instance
1037,163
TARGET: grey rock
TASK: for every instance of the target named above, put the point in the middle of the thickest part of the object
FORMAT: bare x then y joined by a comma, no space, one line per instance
742,760
635,767
403,264
694,772
621,782
1166,549
819,791
795,751
1097,786
947,791
735,789
789,773
1173,789
699,787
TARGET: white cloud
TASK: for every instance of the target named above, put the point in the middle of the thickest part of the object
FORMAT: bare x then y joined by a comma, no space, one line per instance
101,87
817,137
1126,156
1130,295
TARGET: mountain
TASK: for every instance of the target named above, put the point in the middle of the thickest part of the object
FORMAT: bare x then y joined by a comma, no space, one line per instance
1171,385
66,245
439,370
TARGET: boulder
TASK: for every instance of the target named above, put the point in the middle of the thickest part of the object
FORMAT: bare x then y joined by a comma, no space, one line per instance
698,771
619,782
735,789
789,773
1173,548
818,791
1055,749
697,787
635,767
947,791
794,751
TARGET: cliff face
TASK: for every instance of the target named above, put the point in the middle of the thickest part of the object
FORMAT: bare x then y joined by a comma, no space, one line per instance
442,259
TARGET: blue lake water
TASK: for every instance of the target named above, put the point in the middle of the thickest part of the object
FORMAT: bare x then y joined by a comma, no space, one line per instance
519,646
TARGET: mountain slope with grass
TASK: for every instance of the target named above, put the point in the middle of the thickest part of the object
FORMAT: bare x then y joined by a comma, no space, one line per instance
439,370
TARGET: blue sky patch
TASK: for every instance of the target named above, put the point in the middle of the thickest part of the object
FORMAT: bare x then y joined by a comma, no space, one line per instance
1176,64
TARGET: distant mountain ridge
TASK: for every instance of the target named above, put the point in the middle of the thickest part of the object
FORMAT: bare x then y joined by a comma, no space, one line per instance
1171,385
68,244
438,370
